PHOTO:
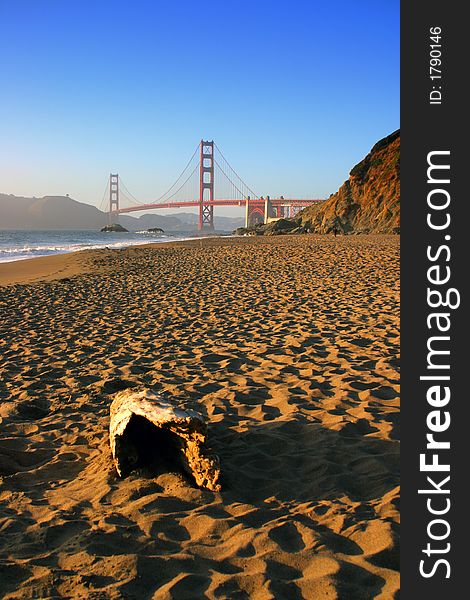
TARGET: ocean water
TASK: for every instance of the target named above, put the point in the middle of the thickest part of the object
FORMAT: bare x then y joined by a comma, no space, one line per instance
19,245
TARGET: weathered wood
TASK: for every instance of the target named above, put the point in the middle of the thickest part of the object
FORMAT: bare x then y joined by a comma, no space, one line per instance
188,431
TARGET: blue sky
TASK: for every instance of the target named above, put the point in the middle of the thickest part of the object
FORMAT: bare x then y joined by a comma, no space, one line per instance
293,93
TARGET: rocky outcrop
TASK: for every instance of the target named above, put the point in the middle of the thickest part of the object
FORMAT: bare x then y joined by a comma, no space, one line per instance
368,202
155,230
115,227
279,227
146,428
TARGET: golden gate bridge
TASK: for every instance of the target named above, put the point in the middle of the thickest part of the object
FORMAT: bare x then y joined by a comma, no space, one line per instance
206,171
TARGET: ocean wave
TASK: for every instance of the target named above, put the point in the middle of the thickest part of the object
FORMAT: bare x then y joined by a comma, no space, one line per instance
152,233
23,252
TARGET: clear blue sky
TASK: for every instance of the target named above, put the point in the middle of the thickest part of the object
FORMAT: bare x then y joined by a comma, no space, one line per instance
294,93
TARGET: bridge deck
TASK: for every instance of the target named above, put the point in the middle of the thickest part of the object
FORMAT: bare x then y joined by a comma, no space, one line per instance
223,202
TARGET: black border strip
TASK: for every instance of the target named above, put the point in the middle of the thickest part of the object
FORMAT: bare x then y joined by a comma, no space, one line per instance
426,128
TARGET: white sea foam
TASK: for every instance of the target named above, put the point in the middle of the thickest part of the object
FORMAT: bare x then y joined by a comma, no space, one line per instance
21,245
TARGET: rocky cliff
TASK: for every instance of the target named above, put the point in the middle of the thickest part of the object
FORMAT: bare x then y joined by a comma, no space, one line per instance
369,201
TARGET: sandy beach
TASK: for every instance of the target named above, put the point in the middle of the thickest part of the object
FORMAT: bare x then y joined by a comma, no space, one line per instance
289,346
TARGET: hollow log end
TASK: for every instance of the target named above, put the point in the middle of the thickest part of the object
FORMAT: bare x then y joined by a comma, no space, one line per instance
188,428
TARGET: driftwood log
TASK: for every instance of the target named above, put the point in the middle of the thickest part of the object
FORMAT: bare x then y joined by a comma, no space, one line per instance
145,427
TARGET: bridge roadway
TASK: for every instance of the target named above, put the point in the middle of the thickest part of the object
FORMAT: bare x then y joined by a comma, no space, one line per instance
274,202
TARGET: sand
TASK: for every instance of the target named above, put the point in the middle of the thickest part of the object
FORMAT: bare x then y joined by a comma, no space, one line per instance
288,345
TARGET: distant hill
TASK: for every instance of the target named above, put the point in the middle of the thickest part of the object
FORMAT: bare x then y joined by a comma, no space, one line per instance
49,212
369,201
62,212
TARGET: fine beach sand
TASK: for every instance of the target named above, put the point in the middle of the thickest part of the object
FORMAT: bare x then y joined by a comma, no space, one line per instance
289,345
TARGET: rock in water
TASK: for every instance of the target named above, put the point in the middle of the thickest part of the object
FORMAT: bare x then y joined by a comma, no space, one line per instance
116,228
144,425
155,230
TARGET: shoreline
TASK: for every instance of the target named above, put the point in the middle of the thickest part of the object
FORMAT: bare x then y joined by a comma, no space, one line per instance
74,263
71,264
111,245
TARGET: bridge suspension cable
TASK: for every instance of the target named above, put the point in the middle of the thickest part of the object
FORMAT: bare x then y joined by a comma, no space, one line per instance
165,196
104,200
127,194
245,189
233,186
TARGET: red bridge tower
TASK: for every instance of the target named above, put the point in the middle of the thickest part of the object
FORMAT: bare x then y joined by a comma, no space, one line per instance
206,186
113,198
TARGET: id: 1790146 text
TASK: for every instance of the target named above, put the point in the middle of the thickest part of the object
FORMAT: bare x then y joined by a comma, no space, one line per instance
435,65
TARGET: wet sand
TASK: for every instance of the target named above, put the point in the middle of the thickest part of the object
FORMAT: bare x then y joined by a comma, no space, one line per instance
289,346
